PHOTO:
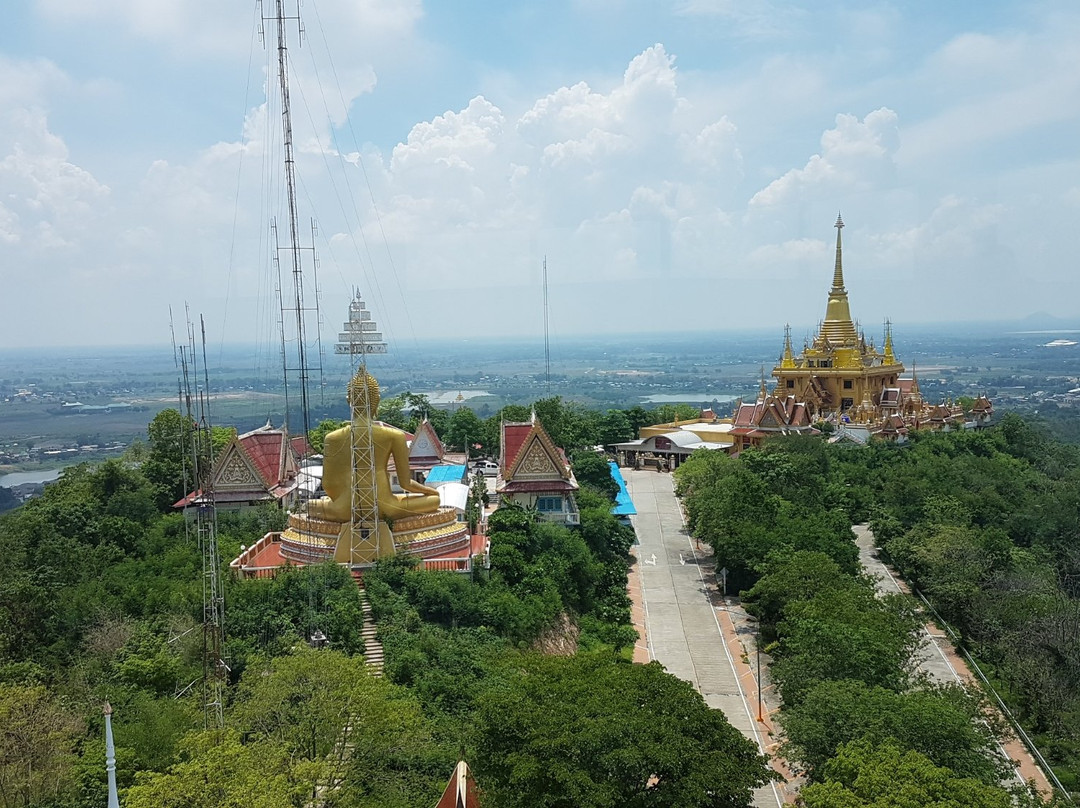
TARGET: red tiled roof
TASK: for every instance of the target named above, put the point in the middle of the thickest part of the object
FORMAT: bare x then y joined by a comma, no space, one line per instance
513,438
460,791
301,446
264,449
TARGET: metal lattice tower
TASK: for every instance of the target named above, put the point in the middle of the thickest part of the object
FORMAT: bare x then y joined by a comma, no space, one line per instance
298,341
197,413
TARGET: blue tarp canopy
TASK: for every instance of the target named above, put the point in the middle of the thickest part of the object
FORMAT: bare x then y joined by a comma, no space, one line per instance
446,474
624,506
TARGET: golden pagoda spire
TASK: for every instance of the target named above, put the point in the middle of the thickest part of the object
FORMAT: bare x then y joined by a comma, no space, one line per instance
838,270
838,327
889,357
788,360
762,393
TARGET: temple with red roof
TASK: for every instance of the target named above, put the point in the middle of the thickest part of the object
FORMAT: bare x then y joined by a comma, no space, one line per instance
534,473
256,468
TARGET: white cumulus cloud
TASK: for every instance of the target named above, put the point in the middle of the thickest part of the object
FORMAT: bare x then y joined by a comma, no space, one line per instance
854,154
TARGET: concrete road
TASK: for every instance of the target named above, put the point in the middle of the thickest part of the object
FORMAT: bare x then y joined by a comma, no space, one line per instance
931,656
682,628
937,658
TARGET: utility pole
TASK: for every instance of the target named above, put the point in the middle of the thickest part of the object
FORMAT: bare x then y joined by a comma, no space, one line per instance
547,345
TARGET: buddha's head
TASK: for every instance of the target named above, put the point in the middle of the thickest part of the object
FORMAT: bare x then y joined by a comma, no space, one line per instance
364,393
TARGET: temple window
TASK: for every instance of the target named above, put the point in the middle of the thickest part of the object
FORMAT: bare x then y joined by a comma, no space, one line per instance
549,504
790,384
845,403
847,384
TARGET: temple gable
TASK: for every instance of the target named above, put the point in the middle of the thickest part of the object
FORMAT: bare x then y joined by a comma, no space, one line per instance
235,471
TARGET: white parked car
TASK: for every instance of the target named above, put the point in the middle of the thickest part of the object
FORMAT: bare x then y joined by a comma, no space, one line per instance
489,468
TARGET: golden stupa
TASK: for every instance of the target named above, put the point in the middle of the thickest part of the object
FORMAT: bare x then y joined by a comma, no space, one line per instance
839,372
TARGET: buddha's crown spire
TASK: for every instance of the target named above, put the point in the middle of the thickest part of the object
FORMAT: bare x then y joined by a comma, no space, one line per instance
838,270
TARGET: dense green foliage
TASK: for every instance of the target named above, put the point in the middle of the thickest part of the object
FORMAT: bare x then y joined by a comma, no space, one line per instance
768,501
842,655
592,731
985,524
865,775
525,664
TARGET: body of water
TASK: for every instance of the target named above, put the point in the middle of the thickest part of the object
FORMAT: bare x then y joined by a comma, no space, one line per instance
687,398
442,397
21,477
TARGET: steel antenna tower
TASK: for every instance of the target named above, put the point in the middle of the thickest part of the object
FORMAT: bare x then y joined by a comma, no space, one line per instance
358,338
294,313
197,413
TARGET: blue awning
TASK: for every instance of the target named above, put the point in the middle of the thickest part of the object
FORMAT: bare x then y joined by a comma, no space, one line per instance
446,474
624,506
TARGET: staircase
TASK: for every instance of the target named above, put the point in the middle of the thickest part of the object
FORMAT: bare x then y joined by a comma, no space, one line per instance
343,749
373,650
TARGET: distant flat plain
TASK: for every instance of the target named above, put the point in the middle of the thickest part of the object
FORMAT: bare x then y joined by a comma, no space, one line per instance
706,369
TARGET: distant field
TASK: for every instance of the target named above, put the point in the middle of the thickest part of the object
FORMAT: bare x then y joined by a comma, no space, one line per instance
596,372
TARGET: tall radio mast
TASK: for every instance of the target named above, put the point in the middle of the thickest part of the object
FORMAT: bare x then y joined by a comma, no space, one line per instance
296,344
547,345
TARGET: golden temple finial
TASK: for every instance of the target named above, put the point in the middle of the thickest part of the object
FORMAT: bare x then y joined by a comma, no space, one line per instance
888,357
762,393
788,360
838,270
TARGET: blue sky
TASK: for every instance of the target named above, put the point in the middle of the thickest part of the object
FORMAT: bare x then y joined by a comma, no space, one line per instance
680,163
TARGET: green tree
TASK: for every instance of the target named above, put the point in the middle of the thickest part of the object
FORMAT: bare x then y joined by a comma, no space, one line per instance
865,775
614,427
464,431
37,747
218,770
945,723
305,700
790,579
588,731
169,465
319,433
846,633
592,469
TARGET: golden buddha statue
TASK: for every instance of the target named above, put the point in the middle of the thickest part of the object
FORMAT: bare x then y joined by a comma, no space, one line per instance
348,482
361,519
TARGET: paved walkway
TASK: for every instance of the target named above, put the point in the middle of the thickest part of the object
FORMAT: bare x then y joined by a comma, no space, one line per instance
687,625
938,658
